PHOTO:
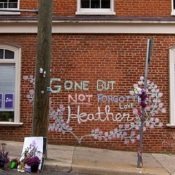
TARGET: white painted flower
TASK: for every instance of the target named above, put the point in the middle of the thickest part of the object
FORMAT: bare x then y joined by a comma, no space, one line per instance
31,91
157,90
153,95
153,114
28,96
100,138
138,137
132,124
154,100
101,133
131,93
140,83
148,108
133,133
125,134
163,110
156,111
25,77
120,126
151,119
157,120
137,90
96,130
95,137
136,86
158,100
155,86
111,132
160,124
118,135
142,78
115,130
160,94
152,84
132,140
152,126
135,111
153,90
147,123
109,138
137,127
106,134
126,126
113,136
126,142
160,105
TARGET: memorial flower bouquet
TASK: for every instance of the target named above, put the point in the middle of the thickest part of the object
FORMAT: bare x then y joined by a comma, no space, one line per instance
34,160
4,159
30,160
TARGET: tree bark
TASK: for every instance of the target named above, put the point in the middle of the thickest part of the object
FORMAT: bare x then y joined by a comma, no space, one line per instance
42,70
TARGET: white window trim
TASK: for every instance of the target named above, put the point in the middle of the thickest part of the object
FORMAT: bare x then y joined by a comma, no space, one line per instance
172,86
17,61
172,8
9,11
89,11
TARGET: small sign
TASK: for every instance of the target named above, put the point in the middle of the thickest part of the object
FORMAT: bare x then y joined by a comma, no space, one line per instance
0,100
9,101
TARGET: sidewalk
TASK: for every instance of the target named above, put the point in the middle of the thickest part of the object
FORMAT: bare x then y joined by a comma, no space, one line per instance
100,161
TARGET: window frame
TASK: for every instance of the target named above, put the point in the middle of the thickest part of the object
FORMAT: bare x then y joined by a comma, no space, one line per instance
17,62
172,86
10,11
172,7
95,11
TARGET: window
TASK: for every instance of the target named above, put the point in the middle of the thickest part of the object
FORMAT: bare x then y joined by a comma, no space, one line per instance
9,6
95,7
173,7
9,84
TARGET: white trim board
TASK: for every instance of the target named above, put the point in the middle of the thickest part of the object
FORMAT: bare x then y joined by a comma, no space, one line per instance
83,27
172,86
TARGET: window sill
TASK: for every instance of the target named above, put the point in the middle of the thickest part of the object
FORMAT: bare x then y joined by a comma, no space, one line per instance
173,13
10,124
170,125
9,13
95,13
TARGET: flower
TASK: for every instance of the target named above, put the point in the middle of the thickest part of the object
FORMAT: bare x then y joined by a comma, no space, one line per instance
31,156
32,161
4,159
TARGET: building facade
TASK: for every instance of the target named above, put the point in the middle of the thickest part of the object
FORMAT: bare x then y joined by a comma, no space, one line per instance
98,59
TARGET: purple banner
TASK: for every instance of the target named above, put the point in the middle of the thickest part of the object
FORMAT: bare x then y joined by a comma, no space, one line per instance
0,100
9,101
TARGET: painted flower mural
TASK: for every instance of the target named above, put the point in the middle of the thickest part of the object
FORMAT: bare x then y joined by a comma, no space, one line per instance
128,132
149,99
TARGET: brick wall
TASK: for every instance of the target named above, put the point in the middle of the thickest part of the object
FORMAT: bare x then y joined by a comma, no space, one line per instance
96,57
122,8
143,8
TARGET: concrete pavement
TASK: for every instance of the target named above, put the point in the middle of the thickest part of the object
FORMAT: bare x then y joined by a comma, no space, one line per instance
100,161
